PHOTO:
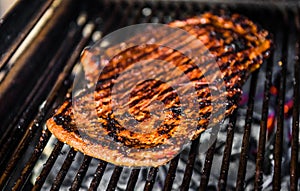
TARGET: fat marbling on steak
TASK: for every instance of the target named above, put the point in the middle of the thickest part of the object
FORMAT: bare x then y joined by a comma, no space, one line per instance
238,47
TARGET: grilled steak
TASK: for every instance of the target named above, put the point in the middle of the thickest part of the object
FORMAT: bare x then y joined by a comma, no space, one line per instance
146,123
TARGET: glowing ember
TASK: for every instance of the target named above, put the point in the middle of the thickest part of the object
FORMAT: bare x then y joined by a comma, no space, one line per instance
271,122
288,107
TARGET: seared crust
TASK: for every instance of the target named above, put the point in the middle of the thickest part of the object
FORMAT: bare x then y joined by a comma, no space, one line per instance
69,135
239,47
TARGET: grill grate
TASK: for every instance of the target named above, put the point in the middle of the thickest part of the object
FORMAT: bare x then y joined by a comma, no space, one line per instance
258,146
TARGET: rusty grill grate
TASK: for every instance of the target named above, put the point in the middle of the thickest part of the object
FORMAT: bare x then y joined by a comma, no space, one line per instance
257,148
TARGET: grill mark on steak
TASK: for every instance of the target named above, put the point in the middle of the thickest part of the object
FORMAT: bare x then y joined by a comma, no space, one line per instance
161,93
239,47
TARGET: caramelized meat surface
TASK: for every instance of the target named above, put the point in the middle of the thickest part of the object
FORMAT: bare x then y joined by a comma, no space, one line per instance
148,123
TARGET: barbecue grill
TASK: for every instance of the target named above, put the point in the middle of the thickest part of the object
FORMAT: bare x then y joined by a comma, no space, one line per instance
41,41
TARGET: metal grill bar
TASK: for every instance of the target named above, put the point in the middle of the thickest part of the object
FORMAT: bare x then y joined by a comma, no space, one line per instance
98,175
34,99
171,173
41,116
71,62
190,165
48,166
114,178
207,167
247,131
263,126
133,179
7,27
81,173
227,152
294,174
37,56
279,131
29,133
280,109
34,157
40,85
63,171
150,179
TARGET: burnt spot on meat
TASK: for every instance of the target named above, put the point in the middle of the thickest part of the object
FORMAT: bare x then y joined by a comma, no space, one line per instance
64,118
